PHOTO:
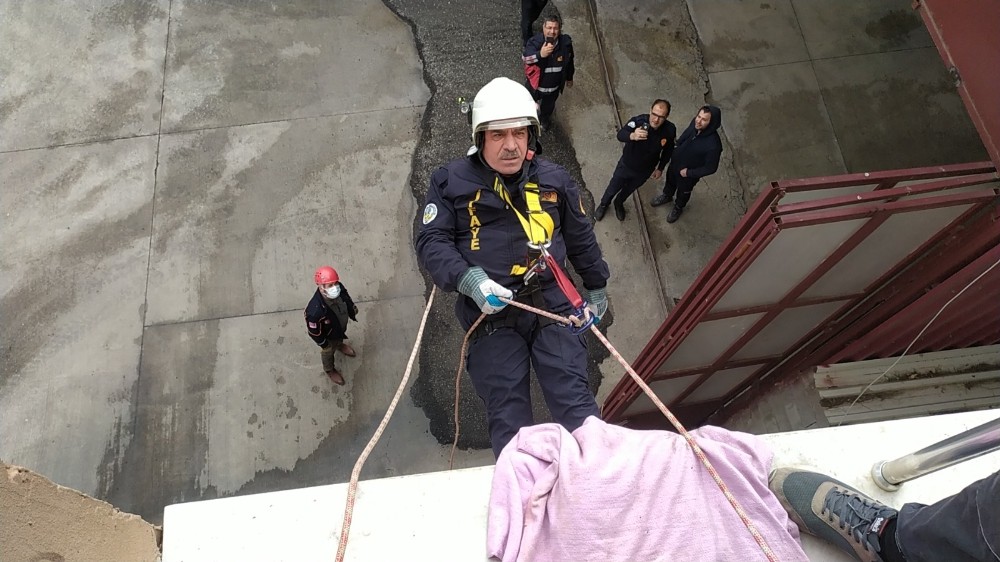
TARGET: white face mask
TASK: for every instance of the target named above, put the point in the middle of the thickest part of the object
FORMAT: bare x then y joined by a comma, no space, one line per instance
333,292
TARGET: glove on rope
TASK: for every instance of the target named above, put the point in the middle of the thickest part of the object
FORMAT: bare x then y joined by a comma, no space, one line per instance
475,284
597,302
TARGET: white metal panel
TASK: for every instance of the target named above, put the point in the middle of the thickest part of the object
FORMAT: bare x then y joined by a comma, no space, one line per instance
901,234
704,344
788,259
786,329
666,390
720,383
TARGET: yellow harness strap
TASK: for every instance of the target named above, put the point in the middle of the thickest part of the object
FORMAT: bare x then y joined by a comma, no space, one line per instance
538,225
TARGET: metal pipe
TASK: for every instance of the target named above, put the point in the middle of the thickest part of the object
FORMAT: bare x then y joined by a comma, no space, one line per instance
969,444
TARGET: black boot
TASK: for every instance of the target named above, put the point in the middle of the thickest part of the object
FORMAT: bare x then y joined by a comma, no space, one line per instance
675,214
620,211
599,212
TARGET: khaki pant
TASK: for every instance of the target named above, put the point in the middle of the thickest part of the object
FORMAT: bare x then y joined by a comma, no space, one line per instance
326,354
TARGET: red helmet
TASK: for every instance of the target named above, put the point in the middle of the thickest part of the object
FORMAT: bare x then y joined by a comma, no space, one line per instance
326,275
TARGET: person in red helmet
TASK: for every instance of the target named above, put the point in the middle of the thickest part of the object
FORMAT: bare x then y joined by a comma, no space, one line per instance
326,319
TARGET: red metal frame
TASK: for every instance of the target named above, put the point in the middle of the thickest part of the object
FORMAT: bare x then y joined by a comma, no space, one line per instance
757,230
966,36
978,306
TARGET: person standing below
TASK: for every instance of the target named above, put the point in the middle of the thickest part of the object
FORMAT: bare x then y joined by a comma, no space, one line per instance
326,319
485,217
530,10
649,142
696,156
548,66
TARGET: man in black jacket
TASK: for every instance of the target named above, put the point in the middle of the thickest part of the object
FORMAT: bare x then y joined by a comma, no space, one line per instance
649,142
326,319
548,66
696,156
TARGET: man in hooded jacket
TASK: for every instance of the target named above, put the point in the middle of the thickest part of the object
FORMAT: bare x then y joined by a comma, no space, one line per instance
696,156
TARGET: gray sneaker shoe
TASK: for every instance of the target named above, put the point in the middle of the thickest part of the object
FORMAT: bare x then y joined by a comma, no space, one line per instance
826,507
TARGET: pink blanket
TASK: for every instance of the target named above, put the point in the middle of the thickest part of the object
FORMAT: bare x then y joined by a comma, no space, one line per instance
607,493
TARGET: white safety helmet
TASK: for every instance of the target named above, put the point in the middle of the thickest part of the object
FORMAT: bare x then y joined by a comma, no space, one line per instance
503,104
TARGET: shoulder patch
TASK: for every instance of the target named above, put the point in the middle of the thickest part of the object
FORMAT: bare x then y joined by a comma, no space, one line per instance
663,142
312,325
549,196
631,124
430,213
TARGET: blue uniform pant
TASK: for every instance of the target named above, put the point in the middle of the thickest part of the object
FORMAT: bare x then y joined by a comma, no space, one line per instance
963,527
547,105
623,183
498,364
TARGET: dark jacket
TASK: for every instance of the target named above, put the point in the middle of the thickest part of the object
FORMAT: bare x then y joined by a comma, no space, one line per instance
547,75
642,157
698,151
322,323
466,223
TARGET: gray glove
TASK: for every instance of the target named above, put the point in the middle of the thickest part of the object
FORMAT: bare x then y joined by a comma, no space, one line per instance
475,284
597,302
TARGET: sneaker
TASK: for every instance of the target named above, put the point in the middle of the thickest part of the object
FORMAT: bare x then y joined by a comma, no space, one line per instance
675,214
599,212
336,377
661,199
823,506
620,212
347,350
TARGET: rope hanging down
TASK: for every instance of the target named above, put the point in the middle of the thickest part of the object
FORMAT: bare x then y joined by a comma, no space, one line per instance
571,320
352,489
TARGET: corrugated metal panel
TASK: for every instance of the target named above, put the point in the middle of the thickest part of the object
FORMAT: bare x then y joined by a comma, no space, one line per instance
920,384
791,269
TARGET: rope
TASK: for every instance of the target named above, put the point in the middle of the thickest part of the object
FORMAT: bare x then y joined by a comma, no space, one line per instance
698,452
353,487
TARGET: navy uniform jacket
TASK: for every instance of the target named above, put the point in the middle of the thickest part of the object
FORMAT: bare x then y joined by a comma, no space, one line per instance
465,223
642,157
555,69
322,323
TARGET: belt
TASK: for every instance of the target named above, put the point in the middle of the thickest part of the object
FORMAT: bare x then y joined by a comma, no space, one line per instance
531,294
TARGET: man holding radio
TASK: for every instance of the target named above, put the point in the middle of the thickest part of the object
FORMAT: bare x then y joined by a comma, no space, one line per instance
649,142
548,66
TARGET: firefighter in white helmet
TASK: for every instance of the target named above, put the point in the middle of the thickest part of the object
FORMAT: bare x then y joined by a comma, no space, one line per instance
485,217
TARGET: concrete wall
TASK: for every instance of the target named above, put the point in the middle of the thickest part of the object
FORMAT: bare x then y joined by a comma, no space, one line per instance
40,520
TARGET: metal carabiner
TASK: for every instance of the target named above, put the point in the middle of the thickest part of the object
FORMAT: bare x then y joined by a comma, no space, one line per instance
582,313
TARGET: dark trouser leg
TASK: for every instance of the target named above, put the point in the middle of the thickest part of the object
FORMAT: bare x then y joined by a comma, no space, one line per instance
530,10
498,367
964,527
632,183
670,184
618,182
547,105
326,354
560,361
684,189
